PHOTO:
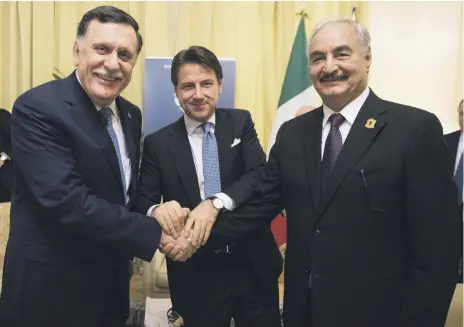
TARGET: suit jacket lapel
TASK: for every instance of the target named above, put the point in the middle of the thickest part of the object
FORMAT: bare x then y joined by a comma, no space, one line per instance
183,159
223,131
126,122
356,144
87,117
311,136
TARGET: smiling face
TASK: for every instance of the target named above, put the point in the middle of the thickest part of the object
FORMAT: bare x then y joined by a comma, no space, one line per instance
198,91
105,57
339,65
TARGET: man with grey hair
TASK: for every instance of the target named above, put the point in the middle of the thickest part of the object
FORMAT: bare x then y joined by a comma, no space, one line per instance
76,149
373,224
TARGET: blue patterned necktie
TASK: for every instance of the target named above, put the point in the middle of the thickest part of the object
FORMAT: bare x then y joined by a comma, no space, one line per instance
211,170
458,178
333,146
107,115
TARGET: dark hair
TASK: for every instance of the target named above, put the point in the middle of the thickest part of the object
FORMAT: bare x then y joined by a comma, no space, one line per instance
195,55
109,14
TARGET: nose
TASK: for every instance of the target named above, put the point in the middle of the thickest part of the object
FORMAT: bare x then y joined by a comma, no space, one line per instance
112,61
330,65
198,94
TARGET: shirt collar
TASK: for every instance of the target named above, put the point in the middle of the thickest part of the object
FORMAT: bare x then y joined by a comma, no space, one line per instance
112,104
350,111
192,124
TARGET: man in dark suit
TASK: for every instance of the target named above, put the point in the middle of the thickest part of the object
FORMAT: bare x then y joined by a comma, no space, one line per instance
455,144
6,163
372,234
208,161
76,149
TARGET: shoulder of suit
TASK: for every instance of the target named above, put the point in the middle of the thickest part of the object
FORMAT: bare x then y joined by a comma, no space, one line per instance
234,112
42,97
451,135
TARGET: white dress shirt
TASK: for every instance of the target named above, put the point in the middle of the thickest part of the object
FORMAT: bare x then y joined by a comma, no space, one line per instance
117,126
349,112
195,136
459,152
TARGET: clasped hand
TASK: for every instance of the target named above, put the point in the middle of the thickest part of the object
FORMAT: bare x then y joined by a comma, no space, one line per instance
184,232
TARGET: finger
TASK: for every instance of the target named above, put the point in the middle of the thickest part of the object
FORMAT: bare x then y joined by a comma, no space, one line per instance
180,218
196,233
162,223
167,249
174,252
209,227
180,256
188,226
186,212
169,223
202,232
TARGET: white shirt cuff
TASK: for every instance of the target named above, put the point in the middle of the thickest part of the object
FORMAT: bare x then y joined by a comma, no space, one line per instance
229,204
150,210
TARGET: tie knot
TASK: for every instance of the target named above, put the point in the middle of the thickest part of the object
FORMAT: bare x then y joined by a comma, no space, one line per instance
106,113
336,120
207,127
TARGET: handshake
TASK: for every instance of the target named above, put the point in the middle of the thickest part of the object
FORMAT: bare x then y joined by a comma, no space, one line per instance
184,231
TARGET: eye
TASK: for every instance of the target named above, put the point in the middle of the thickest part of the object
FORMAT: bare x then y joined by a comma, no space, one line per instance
343,55
101,49
125,56
316,60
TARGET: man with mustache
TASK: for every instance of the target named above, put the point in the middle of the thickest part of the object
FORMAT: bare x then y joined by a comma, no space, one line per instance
373,222
76,149
208,161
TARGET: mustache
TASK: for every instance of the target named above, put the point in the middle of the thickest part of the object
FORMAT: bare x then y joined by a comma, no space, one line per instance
115,75
333,77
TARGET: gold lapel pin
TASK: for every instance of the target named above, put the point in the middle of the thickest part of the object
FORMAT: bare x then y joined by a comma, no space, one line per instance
370,123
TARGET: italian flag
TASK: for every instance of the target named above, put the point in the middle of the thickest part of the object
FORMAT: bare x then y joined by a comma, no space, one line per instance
297,92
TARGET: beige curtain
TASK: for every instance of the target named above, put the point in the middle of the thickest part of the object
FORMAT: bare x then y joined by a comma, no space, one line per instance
37,38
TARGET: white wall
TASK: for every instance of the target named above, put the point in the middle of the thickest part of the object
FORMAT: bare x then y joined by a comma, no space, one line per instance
417,55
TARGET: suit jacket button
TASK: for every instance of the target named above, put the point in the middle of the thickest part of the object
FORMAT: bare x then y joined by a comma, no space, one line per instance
317,232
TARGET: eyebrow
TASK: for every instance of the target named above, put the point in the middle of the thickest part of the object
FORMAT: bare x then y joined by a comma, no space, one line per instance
337,49
111,46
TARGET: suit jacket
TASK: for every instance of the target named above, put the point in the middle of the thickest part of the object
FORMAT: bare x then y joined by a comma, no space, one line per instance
72,236
380,246
168,171
6,172
452,139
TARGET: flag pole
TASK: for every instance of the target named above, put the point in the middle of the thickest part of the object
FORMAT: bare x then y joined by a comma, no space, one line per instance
353,12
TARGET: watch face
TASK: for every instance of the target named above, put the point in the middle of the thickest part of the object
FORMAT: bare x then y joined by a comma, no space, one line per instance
218,203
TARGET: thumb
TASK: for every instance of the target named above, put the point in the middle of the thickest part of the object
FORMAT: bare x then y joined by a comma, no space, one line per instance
186,211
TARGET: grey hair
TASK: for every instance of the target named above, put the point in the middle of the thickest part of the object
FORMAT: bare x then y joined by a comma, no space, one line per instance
362,33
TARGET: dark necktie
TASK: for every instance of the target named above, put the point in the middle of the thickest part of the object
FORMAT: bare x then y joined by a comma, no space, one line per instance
458,176
333,146
107,115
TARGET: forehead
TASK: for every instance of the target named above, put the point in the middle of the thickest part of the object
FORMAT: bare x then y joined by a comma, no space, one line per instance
115,34
334,35
193,72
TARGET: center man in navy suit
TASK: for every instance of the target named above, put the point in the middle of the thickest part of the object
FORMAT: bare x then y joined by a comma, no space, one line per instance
76,148
208,161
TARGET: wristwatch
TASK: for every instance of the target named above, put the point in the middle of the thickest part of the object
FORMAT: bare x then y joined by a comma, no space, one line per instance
218,203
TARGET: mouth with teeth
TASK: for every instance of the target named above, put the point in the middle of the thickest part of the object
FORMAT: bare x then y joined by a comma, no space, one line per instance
107,78
329,78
